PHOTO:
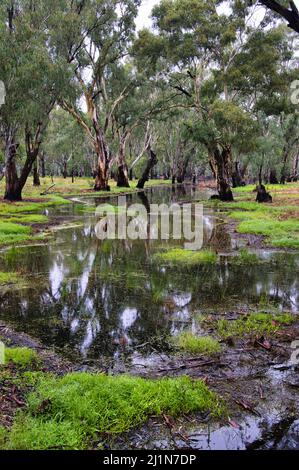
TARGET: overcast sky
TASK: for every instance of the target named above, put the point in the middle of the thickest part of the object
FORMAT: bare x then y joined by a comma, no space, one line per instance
143,19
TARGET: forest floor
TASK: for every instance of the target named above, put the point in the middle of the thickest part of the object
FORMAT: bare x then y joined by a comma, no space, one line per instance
276,224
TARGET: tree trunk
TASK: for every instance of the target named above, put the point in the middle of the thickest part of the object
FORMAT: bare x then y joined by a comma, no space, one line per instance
122,173
152,161
122,176
42,164
294,176
15,185
261,175
131,174
182,169
262,195
221,163
102,152
102,177
64,171
273,177
12,188
36,180
237,177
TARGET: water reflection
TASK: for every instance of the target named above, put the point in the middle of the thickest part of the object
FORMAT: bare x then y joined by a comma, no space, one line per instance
96,299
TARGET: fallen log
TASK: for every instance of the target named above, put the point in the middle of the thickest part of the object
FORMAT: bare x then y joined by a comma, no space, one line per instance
47,190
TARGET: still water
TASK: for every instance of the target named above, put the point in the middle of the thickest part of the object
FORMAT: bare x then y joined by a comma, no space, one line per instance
94,300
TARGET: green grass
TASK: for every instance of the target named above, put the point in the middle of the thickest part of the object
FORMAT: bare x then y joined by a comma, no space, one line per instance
80,409
65,187
11,233
278,232
270,187
190,343
186,257
22,357
277,222
255,323
8,278
28,219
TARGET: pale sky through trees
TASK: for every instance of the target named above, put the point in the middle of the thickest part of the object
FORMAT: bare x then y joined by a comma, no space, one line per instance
144,21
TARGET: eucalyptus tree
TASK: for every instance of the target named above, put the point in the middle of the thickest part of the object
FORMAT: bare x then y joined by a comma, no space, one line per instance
31,80
195,45
143,104
92,36
221,67
66,145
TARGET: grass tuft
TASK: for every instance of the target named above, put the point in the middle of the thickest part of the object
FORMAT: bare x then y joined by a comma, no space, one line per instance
255,323
78,409
186,257
190,343
22,357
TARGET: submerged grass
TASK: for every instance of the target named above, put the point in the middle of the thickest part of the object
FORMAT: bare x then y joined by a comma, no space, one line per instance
186,257
190,343
255,323
244,257
79,409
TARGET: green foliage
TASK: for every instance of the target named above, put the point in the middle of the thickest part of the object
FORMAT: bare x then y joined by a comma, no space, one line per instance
255,323
72,411
279,232
8,278
276,222
186,257
188,342
21,357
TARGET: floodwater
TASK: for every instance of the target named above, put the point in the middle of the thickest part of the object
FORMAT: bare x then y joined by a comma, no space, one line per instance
99,301
112,305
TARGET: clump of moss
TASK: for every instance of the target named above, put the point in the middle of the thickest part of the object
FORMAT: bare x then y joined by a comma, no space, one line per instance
73,411
186,257
255,323
21,357
190,343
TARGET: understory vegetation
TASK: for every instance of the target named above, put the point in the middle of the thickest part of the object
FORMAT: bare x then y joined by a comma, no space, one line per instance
254,323
277,222
83,410
189,342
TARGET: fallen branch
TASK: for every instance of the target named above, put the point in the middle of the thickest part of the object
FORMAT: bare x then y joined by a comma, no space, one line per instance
47,190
